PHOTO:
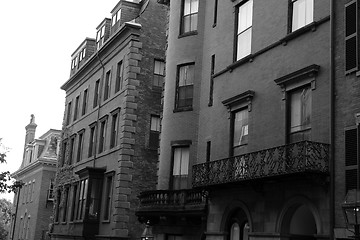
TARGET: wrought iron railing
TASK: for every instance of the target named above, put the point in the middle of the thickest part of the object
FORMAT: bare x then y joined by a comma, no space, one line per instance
298,157
172,199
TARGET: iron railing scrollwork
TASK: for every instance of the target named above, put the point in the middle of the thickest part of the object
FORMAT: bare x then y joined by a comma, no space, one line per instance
305,156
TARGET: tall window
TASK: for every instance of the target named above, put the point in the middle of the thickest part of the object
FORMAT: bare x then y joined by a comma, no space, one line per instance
58,199
94,201
100,36
96,93
351,37
154,132
159,73
65,205
68,114
28,197
74,201
119,77
240,128
300,114
302,13
185,83
92,140
351,159
102,135
64,152
82,199
180,167
32,191
107,85
215,12
244,29
114,129
76,107
239,232
212,71
50,195
80,146
189,17
71,149
108,196
84,103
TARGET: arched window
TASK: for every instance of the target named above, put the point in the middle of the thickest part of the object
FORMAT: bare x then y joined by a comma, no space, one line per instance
239,231
235,231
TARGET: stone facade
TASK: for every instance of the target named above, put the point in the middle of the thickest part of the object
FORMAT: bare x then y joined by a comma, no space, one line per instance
113,131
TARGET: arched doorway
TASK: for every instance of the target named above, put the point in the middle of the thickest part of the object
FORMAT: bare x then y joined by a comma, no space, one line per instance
299,222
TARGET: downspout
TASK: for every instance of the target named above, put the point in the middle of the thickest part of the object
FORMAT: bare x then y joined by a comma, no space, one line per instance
332,121
99,106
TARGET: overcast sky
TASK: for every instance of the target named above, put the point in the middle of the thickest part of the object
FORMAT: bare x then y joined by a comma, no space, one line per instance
37,39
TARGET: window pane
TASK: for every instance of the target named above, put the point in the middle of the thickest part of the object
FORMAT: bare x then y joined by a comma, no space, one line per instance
245,16
155,123
184,161
187,7
186,24
303,11
118,14
300,113
240,127
194,6
193,22
177,161
244,44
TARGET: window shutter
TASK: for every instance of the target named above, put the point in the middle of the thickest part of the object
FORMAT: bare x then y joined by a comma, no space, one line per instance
351,41
350,159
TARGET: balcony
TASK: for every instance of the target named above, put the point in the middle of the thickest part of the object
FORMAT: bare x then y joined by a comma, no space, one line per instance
297,158
172,202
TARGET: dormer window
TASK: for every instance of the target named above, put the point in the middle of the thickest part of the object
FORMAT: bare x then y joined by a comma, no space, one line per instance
82,55
100,37
116,17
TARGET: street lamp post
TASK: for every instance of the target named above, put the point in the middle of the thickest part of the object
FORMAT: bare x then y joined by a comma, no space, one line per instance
17,185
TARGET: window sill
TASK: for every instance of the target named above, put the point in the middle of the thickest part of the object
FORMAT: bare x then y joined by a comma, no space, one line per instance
188,34
183,109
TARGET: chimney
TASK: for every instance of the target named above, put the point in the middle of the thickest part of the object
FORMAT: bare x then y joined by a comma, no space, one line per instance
30,131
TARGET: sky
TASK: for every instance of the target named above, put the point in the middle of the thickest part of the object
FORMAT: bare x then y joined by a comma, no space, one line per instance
37,39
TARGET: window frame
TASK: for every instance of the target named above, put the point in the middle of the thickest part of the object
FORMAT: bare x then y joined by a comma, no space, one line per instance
96,93
178,88
107,85
108,196
157,76
114,126
84,103
69,111
154,133
237,33
179,145
119,76
92,139
80,145
183,16
102,133
291,15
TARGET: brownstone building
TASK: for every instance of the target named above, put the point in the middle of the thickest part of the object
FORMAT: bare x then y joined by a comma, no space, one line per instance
111,125
245,136
33,204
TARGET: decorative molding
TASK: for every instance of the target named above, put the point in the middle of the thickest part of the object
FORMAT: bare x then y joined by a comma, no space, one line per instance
245,97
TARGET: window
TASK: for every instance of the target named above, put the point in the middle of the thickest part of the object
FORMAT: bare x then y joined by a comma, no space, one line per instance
119,77
27,235
25,193
82,199
159,73
300,114
76,107
108,196
212,70
74,201
28,197
154,132
189,17
107,85
239,232
92,140
180,167
215,12
185,82
58,199
84,103
96,93
240,126
244,29
102,135
65,205
82,54
114,129
68,114
100,37
50,196
72,149
351,42
302,13
208,151
80,146
94,201
64,152
116,17
33,191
